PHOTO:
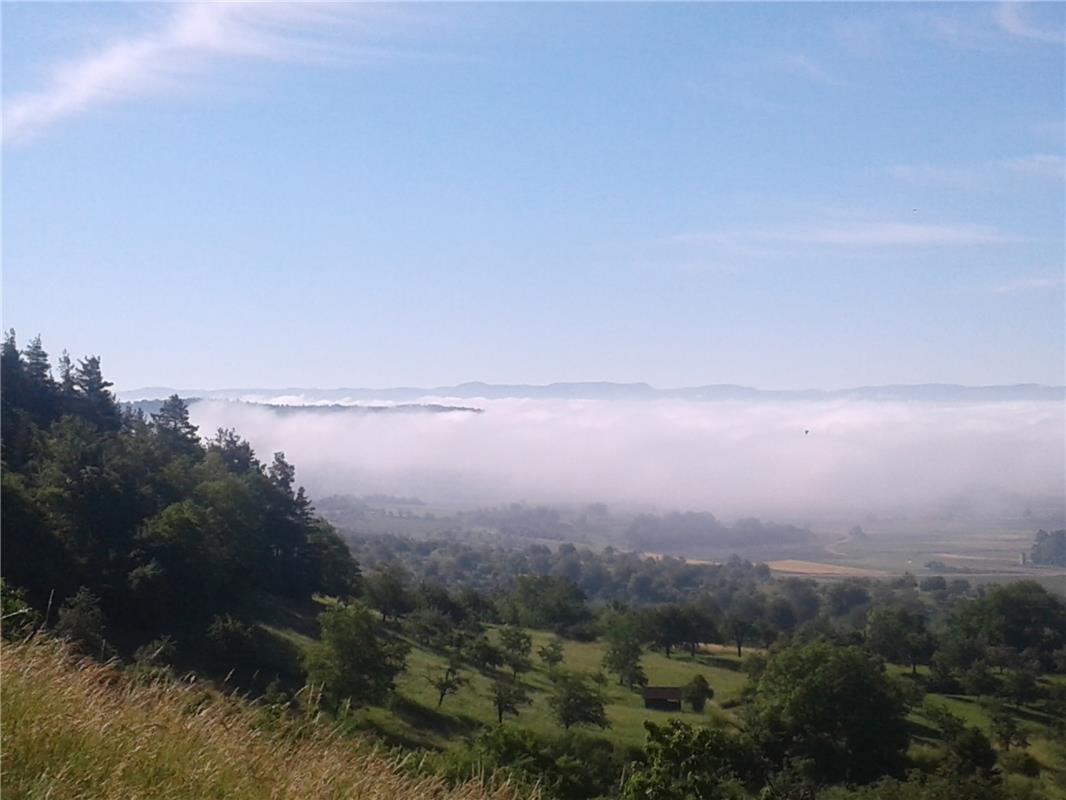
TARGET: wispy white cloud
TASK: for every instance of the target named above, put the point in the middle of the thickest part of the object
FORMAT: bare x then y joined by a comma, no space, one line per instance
1028,284
853,233
982,175
805,67
1042,165
981,26
187,40
1012,18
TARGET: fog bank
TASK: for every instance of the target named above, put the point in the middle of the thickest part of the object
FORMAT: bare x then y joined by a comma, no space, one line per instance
735,459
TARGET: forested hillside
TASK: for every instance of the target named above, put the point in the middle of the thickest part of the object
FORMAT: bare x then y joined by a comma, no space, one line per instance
141,520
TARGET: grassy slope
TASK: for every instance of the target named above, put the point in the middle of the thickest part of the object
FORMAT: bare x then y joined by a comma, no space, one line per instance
79,730
1036,724
415,719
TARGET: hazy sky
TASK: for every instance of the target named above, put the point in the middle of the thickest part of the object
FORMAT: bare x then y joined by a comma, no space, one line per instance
788,195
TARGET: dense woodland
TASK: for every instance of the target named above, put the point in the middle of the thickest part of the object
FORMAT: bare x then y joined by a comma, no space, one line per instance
138,538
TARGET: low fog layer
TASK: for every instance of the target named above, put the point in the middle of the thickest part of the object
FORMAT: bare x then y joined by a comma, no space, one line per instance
735,459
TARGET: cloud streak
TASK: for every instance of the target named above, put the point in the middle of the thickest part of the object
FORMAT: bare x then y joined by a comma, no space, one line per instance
187,41
1028,284
854,234
1014,21
803,66
983,175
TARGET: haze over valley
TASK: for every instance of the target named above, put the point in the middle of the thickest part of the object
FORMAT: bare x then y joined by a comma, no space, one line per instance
899,457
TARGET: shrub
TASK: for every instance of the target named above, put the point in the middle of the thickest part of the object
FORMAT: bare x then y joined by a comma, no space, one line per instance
1020,762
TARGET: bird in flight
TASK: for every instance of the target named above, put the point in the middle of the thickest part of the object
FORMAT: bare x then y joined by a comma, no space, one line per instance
805,433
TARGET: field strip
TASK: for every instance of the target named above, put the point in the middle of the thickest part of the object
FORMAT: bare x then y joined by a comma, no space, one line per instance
796,567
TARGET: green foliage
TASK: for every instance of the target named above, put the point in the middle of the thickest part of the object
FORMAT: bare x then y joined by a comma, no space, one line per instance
547,602
17,617
480,652
1018,762
516,641
622,655
163,531
1006,729
574,766
685,762
551,653
355,660
970,754
898,634
1020,686
923,787
508,697
82,622
834,706
697,692
231,642
516,645
387,590
446,680
575,700
1022,615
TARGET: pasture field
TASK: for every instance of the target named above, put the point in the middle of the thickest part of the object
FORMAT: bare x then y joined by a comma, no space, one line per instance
412,718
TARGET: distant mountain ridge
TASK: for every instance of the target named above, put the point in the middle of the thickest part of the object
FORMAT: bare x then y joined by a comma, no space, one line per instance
598,390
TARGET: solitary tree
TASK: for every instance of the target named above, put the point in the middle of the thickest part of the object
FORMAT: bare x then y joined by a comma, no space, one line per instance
386,590
516,644
447,680
507,697
899,635
697,692
354,659
576,701
551,653
834,706
172,423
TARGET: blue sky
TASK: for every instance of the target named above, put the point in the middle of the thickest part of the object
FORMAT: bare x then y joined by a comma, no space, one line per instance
781,195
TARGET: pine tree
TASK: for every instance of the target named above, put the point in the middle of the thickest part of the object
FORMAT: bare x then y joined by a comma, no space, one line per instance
95,393
172,423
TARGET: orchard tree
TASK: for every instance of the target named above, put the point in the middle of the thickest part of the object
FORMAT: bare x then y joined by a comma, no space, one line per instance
551,653
623,652
387,590
577,701
355,659
697,692
899,635
834,706
508,696
516,645
447,680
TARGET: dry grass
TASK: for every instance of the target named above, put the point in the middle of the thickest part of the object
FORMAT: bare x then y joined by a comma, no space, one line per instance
73,728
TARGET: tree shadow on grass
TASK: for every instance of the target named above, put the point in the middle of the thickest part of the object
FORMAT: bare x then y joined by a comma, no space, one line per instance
424,718
920,731
718,662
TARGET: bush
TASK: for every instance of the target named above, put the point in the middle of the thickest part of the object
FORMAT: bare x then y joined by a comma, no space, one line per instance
82,623
1019,762
19,619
